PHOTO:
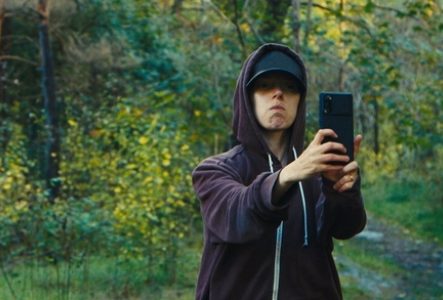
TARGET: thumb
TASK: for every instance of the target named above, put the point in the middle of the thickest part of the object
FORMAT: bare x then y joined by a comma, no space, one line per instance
357,143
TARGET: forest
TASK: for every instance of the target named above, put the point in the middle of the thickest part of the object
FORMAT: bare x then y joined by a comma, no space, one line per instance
106,107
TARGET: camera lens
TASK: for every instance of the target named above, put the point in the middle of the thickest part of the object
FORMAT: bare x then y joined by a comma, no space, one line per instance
328,104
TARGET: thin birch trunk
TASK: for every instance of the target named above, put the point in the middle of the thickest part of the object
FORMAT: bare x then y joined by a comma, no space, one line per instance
52,149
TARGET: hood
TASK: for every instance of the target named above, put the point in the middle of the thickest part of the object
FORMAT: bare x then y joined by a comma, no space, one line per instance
245,126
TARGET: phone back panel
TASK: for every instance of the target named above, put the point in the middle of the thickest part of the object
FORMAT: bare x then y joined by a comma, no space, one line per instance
336,113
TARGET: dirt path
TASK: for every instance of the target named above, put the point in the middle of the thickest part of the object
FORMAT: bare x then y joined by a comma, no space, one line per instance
420,264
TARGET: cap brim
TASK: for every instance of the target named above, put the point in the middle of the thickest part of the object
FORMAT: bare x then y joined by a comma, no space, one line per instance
276,70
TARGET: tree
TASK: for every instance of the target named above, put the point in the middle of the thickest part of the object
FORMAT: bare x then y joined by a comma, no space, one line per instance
52,151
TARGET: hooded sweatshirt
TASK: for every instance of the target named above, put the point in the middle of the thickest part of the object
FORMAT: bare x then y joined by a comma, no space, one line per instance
254,249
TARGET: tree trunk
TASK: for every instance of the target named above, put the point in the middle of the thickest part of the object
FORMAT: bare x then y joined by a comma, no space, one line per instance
2,75
274,17
341,76
376,147
296,24
52,149
308,24
177,6
5,133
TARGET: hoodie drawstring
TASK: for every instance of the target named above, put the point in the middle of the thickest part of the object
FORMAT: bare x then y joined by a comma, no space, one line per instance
277,247
303,201
279,236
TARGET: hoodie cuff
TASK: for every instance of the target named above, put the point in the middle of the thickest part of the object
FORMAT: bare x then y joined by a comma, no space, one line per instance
340,197
266,191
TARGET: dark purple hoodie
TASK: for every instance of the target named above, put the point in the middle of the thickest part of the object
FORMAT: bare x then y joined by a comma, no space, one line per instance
245,256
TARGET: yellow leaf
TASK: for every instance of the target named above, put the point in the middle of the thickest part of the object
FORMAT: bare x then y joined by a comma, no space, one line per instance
217,40
148,180
72,123
143,140
245,27
137,112
21,205
131,166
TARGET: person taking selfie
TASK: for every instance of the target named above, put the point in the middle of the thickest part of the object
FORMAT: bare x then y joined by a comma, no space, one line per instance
270,206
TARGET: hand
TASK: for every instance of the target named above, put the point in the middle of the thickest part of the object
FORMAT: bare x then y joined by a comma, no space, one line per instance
346,177
316,159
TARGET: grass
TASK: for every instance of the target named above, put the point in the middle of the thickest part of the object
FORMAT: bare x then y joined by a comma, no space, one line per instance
101,278
412,204
384,266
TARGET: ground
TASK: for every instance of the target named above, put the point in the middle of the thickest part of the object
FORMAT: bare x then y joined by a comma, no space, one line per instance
409,268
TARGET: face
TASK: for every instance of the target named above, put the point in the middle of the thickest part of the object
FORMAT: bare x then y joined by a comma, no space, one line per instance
275,99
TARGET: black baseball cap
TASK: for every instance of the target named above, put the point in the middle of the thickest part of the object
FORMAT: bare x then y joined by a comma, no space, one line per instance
277,61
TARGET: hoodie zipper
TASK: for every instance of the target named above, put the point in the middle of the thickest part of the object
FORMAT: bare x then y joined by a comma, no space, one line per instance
279,234
277,247
303,201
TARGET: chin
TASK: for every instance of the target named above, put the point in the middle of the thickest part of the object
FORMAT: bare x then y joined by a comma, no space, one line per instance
278,127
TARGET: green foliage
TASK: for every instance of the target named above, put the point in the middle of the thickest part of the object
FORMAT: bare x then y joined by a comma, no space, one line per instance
135,165
145,92
411,201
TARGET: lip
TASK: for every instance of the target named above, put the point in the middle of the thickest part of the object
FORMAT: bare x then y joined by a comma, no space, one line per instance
277,107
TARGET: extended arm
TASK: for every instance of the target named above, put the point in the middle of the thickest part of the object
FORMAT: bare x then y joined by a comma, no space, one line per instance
232,211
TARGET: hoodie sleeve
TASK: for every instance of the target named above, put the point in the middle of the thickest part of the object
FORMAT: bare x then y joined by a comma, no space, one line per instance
343,213
232,211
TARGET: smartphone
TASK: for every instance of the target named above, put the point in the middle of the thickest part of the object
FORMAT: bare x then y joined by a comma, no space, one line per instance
336,113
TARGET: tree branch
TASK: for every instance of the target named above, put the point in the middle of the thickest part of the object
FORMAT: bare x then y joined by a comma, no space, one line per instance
237,27
245,12
17,58
359,22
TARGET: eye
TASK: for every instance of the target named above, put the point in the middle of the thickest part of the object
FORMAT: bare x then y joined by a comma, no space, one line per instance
263,85
291,87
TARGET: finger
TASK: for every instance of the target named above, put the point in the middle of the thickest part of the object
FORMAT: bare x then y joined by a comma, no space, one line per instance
329,167
346,186
339,183
345,183
351,167
321,134
334,159
333,147
357,143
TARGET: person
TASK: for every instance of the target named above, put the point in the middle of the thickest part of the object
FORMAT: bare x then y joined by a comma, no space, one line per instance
270,209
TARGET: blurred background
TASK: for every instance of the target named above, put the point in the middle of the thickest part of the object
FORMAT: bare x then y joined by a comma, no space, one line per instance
106,106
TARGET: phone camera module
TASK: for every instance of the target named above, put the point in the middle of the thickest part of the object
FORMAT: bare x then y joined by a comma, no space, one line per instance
327,104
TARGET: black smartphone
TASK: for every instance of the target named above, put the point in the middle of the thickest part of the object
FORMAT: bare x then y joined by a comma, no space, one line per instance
336,113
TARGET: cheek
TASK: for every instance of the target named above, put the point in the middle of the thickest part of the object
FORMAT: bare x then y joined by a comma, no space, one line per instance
295,105
260,115
259,109
293,114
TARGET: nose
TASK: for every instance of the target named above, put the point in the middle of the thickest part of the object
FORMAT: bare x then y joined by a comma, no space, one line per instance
277,92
